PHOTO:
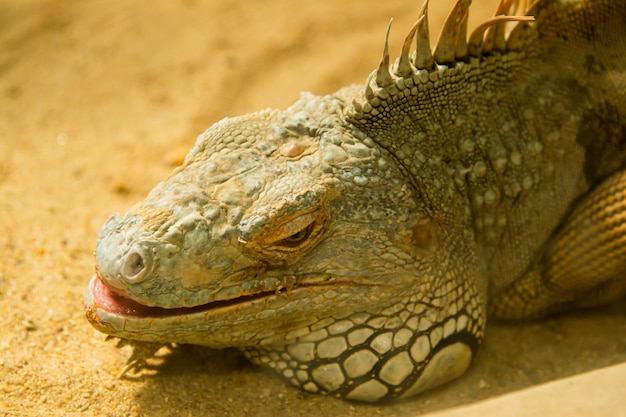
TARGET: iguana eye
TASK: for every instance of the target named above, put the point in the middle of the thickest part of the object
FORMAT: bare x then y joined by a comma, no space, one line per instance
288,237
297,238
296,232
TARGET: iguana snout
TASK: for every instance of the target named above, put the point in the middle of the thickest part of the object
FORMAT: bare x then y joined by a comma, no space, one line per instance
123,262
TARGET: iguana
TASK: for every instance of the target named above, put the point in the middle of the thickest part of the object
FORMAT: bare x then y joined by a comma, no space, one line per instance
357,242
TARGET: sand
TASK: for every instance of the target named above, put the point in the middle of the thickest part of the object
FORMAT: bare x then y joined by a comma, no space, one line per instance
99,101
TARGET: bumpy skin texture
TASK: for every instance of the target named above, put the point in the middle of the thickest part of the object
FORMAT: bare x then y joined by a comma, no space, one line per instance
356,242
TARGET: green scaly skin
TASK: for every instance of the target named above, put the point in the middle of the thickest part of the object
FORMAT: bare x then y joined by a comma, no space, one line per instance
355,242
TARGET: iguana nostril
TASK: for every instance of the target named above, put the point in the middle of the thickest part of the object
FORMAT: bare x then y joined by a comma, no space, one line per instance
134,267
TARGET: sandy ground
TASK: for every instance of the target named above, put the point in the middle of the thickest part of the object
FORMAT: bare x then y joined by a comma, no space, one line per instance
99,100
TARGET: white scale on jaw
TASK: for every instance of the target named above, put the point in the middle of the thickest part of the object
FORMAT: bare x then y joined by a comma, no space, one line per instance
344,357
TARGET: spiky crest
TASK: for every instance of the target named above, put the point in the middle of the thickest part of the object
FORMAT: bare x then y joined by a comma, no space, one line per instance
423,55
453,47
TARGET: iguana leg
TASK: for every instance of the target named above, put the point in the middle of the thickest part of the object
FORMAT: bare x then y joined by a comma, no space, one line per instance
583,265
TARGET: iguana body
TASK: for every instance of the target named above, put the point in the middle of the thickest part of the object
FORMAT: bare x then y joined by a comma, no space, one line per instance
355,242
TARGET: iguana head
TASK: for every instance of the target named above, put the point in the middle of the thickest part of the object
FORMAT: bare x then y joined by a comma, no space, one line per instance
288,232
303,238
274,221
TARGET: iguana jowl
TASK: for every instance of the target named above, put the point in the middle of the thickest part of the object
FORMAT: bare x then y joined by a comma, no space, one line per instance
356,242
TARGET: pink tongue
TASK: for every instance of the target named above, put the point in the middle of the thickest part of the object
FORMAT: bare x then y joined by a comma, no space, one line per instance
115,303
110,301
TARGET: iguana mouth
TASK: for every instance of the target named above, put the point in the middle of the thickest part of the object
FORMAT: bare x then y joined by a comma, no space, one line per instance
112,302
